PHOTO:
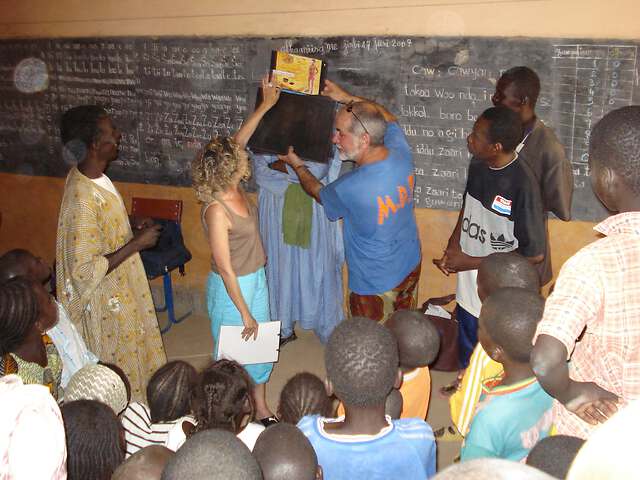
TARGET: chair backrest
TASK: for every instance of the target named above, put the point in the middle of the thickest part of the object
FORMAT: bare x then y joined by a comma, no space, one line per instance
157,208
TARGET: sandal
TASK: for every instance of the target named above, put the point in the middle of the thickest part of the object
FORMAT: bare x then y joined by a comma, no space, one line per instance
290,338
447,434
268,421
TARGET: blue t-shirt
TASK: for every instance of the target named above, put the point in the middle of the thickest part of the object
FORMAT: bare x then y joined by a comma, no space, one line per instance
405,449
376,202
509,421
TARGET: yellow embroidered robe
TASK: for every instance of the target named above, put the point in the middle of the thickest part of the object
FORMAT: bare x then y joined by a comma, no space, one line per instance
114,312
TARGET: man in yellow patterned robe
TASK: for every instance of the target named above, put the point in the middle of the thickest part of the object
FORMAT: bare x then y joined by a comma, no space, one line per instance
100,278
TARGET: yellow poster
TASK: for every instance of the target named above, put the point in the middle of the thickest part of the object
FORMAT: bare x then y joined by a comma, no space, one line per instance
297,73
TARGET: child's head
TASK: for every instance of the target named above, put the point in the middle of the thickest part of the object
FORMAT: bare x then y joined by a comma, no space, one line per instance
554,455
95,445
304,394
497,130
99,382
361,358
212,454
511,269
283,453
22,263
146,464
26,309
418,339
614,157
507,324
169,391
394,403
222,397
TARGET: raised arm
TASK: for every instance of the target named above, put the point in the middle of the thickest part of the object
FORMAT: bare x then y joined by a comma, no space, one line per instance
270,96
337,93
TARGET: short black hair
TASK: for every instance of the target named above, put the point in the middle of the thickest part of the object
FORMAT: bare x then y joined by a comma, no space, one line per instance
504,127
79,129
615,143
12,264
93,434
510,316
554,455
146,464
283,453
525,81
508,269
361,358
394,404
19,311
215,454
169,391
303,394
219,397
418,338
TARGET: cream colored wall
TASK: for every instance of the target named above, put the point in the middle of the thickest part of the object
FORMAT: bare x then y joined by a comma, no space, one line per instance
30,204
545,18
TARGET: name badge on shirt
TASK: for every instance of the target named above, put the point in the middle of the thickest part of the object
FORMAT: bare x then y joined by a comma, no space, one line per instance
502,205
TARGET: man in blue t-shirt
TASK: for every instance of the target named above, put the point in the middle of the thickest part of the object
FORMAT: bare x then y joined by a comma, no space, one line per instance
375,201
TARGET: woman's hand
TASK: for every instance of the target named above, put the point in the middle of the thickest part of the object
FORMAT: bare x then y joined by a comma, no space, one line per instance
270,93
250,328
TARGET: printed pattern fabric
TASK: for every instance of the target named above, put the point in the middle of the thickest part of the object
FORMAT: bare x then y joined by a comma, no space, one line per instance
380,307
114,311
33,373
502,213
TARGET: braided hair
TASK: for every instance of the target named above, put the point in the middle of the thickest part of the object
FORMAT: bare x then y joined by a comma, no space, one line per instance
303,394
94,448
169,391
220,397
19,311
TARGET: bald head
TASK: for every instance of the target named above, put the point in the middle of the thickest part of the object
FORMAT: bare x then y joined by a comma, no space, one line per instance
366,117
212,454
418,339
283,452
511,269
145,464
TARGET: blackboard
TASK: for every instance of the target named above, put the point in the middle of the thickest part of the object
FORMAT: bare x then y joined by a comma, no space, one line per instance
170,94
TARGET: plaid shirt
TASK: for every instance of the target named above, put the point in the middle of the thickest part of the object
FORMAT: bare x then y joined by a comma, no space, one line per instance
598,291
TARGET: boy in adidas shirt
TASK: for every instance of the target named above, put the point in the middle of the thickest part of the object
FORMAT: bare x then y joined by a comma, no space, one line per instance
502,212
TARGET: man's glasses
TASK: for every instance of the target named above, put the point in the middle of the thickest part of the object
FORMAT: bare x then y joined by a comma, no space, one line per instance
349,109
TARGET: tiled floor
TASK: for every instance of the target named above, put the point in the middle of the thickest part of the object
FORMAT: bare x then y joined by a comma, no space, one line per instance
191,341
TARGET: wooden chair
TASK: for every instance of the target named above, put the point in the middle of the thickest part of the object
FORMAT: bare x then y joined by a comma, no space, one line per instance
167,210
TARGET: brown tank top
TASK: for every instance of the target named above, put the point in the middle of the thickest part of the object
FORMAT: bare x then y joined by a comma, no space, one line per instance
247,253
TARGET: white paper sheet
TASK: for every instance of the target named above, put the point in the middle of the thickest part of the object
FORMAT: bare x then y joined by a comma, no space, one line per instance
437,311
264,349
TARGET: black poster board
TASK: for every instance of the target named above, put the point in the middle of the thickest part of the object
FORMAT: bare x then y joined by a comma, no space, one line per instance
169,95
304,122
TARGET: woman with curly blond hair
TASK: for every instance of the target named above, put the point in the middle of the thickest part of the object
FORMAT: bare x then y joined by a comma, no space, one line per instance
236,287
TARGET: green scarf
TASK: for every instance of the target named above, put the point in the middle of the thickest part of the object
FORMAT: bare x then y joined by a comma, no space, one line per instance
296,216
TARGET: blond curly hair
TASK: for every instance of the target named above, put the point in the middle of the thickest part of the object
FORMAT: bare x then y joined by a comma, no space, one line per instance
216,168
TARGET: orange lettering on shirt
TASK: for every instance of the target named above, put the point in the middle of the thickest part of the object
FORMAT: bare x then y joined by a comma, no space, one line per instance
403,196
384,207
411,181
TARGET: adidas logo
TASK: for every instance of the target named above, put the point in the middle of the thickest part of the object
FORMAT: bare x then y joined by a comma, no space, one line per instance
499,243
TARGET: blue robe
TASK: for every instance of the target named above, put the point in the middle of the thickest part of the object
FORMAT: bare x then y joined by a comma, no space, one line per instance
305,285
